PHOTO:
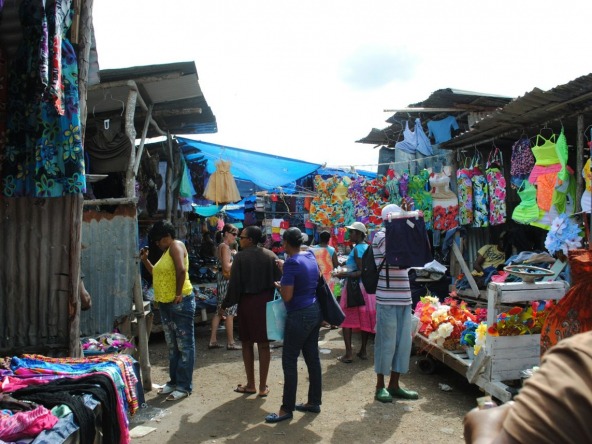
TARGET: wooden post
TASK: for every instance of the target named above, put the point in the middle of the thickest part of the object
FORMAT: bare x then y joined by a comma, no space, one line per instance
579,163
84,46
130,131
74,348
169,180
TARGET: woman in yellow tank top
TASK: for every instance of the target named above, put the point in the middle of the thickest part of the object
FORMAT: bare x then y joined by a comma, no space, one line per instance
174,294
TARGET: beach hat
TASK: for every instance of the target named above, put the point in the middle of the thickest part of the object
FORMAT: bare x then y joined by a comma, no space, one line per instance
390,208
358,226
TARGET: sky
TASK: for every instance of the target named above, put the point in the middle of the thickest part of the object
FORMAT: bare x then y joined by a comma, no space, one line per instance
305,79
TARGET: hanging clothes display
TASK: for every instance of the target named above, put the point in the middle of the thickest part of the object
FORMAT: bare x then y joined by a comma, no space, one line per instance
409,151
444,202
497,187
545,154
480,197
221,187
522,161
44,156
464,186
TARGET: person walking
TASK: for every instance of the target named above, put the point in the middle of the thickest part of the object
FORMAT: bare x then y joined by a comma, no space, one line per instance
361,318
224,255
392,345
252,284
173,293
303,321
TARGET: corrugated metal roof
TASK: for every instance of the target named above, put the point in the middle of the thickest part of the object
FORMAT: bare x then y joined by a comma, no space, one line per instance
465,102
536,108
179,104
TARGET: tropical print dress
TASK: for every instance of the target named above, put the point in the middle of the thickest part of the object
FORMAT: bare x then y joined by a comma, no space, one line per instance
465,196
43,156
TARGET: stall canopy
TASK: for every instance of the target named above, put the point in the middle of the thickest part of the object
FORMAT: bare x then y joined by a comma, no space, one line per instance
266,171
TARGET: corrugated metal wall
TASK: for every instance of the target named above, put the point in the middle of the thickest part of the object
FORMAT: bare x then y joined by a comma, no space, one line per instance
35,241
110,265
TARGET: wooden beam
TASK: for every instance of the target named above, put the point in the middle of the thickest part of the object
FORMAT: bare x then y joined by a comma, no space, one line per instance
143,140
112,201
465,269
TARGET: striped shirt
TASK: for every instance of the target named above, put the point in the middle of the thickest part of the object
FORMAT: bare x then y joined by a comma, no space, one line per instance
398,291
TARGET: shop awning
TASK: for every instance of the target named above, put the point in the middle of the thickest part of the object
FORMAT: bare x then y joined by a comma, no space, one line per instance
267,171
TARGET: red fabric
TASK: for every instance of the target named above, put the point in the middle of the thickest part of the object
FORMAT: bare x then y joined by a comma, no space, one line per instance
573,313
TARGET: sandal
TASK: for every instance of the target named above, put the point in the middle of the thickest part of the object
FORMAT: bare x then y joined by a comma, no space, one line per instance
233,346
344,360
176,395
243,389
166,389
264,393
214,345
362,357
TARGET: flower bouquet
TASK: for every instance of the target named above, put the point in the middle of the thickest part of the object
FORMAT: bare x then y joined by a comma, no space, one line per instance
520,321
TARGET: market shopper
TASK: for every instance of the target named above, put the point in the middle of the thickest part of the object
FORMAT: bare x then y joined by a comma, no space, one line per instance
553,407
173,293
392,346
363,317
303,320
326,257
224,256
252,284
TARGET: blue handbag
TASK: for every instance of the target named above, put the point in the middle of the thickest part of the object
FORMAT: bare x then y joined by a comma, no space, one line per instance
275,316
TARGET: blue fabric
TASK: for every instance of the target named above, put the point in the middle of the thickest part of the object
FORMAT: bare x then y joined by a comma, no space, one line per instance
301,271
392,345
177,324
302,333
441,130
207,211
264,170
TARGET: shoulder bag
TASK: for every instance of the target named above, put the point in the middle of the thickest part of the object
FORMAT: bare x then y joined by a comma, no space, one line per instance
330,309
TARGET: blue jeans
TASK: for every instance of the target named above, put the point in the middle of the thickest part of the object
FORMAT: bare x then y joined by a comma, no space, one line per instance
177,324
302,333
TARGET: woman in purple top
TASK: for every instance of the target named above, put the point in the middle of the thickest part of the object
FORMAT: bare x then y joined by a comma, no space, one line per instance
300,274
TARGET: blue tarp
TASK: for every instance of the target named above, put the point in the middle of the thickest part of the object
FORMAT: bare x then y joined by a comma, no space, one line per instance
267,171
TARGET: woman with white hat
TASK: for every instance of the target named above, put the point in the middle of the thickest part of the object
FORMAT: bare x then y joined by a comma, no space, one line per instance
363,317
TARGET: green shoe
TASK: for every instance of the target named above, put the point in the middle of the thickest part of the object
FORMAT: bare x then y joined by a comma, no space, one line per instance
382,395
403,393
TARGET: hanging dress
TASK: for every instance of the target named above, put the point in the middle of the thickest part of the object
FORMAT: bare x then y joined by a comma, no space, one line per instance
464,186
422,198
497,188
527,211
444,202
521,162
221,187
480,198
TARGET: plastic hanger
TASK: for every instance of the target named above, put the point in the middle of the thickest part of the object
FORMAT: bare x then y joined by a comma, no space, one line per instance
107,97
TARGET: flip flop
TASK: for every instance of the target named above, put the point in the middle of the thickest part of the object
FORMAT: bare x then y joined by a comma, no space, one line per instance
264,393
176,395
166,389
213,346
243,389
233,346
362,357
344,360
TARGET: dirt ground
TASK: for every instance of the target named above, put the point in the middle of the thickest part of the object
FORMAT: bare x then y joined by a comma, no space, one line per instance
216,414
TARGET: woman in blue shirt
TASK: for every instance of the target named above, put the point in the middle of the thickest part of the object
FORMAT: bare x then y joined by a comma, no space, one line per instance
300,274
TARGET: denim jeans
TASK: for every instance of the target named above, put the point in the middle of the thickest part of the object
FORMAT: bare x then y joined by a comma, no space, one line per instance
177,324
302,333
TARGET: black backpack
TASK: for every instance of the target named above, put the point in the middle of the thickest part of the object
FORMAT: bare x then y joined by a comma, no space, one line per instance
370,272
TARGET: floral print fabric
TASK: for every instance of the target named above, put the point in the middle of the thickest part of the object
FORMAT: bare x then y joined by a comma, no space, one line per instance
464,186
43,156
480,199
522,161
